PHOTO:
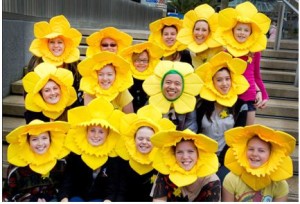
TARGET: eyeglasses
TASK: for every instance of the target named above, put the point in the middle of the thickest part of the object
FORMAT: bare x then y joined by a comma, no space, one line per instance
144,61
108,45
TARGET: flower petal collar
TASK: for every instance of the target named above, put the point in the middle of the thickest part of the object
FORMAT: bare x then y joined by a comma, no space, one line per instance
154,52
186,36
146,116
122,39
58,26
246,13
20,154
239,84
156,35
33,83
98,112
278,167
89,82
191,87
165,161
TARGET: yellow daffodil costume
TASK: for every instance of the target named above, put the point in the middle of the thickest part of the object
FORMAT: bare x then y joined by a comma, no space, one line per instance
122,39
58,26
156,34
165,161
33,83
278,167
20,154
191,83
236,68
98,112
186,36
154,53
245,13
89,82
147,116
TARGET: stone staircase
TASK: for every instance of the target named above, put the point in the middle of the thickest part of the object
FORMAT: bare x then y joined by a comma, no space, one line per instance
278,70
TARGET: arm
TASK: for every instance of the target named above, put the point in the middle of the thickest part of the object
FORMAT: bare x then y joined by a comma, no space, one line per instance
128,108
162,199
87,98
226,196
282,199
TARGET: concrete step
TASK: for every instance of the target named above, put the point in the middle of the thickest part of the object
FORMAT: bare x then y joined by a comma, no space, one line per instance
278,64
280,108
289,126
287,91
9,123
13,105
285,44
293,189
283,54
17,87
278,76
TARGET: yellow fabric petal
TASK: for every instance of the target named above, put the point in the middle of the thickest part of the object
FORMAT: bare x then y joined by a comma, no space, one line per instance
43,168
180,180
140,168
256,183
160,102
93,162
186,104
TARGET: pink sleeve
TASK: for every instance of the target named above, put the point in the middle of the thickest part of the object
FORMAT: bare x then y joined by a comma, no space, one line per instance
257,75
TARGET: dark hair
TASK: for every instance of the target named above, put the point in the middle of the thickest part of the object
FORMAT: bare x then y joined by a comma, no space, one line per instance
222,69
257,137
202,20
169,26
28,136
135,55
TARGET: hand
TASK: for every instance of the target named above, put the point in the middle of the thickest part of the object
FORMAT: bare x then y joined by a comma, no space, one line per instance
41,200
258,98
262,104
64,200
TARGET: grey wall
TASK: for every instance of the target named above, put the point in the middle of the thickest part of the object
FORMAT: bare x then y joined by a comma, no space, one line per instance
19,16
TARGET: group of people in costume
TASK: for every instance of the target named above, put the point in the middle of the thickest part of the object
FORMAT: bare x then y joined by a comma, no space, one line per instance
169,119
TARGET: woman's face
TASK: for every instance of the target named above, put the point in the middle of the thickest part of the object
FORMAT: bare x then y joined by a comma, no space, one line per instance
141,63
51,92
201,32
242,31
222,81
172,86
169,35
258,152
96,135
39,144
106,76
186,154
142,139
56,46
108,44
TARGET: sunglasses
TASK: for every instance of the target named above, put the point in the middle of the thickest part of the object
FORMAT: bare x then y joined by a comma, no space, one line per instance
108,45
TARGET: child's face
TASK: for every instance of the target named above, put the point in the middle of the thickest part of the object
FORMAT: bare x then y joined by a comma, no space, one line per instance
108,44
51,92
186,154
222,81
172,86
96,135
142,140
201,31
242,31
56,46
169,36
39,144
106,76
258,152
142,62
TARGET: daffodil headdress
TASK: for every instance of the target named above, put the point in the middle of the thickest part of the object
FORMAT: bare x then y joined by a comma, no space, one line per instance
236,68
34,82
89,82
186,36
154,54
278,167
245,13
155,36
122,39
165,161
58,26
147,116
98,112
20,154
191,86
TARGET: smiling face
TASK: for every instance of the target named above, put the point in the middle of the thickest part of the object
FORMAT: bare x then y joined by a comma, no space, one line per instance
222,81
108,44
169,35
96,135
51,92
106,76
258,152
56,46
40,144
141,61
186,154
142,139
201,31
172,86
242,31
